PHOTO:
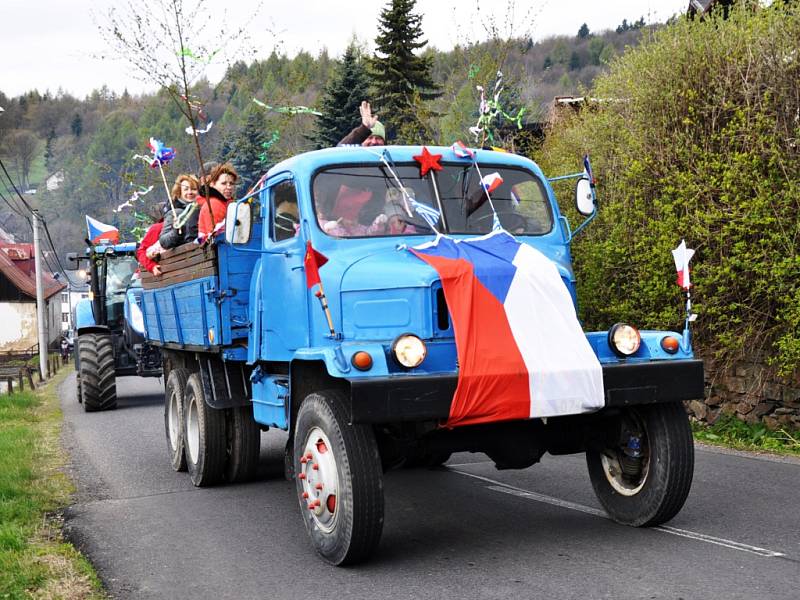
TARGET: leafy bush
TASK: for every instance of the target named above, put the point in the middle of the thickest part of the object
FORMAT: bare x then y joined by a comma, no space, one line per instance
696,136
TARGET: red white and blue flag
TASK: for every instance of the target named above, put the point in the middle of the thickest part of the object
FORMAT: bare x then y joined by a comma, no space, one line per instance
100,233
461,151
521,351
491,182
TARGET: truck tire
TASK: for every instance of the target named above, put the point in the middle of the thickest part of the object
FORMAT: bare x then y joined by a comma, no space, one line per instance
243,444
98,383
648,489
338,480
204,436
173,417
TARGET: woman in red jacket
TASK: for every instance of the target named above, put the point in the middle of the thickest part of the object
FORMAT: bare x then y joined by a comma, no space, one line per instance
217,197
150,242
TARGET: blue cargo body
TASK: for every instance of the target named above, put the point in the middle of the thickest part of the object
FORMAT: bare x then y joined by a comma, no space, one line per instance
208,312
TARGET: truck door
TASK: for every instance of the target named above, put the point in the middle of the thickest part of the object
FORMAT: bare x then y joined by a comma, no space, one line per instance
284,308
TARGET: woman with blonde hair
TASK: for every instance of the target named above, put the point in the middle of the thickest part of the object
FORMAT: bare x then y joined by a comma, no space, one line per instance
180,225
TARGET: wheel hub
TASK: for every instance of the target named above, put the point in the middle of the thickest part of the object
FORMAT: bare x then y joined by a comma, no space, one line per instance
192,430
626,466
319,479
174,425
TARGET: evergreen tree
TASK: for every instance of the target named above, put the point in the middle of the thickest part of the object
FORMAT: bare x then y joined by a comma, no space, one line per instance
340,100
48,149
583,32
399,74
77,125
246,150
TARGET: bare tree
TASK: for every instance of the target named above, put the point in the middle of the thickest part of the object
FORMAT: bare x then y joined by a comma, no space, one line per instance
21,147
172,43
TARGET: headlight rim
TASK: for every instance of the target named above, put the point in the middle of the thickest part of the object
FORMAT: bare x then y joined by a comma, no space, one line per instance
621,354
397,358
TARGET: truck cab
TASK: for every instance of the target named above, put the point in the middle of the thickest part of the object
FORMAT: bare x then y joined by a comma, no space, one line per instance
388,315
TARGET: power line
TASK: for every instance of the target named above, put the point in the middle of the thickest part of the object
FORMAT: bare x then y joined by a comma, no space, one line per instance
55,253
13,185
12,207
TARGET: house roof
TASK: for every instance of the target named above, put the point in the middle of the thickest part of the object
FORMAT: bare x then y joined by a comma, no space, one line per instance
25,281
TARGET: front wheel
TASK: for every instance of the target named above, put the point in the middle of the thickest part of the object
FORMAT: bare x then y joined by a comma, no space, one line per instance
338,475
643,475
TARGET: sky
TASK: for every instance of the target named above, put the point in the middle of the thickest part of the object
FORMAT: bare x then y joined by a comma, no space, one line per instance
55,44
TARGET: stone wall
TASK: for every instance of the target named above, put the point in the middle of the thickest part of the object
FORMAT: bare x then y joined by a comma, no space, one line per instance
751,390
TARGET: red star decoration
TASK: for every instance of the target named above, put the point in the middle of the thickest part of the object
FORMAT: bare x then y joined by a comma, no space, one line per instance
428,161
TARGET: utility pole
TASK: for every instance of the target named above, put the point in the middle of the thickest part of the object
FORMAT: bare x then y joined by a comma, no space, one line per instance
40,307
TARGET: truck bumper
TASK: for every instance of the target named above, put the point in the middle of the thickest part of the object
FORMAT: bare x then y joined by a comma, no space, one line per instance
410,398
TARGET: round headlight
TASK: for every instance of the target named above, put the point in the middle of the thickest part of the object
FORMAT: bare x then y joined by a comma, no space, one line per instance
409,350
624,339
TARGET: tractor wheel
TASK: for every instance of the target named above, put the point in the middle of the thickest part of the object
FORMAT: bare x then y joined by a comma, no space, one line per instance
98,380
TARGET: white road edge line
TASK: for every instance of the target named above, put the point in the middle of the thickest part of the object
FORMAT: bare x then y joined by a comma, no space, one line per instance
499,486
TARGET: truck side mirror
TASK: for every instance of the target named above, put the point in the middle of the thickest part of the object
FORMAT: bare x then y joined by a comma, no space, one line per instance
238,223
584,197
72,257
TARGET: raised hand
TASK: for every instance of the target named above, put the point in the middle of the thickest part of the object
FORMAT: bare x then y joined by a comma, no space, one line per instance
368,120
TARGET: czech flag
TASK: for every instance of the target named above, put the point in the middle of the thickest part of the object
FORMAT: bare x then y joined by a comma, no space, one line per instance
100,233
461,151
521,352
491,182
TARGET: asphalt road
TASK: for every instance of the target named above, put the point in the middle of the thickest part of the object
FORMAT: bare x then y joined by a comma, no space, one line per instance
467,531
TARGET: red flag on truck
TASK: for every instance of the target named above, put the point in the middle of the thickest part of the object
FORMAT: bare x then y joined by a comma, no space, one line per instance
313,261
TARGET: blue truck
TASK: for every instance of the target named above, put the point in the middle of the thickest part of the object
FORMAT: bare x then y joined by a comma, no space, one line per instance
318,313
109,326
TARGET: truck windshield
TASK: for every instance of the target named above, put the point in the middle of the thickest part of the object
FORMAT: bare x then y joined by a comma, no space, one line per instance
367,201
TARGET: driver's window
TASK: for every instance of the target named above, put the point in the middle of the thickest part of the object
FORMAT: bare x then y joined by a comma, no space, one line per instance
284,211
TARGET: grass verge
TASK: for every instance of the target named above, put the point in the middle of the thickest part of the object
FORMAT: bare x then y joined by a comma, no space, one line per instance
730,432
35,560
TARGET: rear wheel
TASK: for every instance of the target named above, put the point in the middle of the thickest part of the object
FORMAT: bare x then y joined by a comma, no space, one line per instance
338,480
173,417
243,444
643,477
98,384
204,436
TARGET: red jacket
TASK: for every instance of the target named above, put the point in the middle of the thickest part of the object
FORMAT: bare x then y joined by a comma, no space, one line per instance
219,207
150,238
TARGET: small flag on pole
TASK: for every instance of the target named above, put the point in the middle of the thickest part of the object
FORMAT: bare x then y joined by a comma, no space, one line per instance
682,256
461,151
100,233
491,182
313,261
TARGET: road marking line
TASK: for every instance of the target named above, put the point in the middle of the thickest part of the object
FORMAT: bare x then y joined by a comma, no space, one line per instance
499,486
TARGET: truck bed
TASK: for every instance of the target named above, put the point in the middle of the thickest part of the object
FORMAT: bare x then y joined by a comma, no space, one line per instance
200,301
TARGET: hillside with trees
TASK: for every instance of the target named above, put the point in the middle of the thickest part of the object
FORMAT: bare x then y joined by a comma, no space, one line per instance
90,142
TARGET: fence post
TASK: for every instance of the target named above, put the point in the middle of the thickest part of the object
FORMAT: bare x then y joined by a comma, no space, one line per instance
30,377
10,384
21,382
